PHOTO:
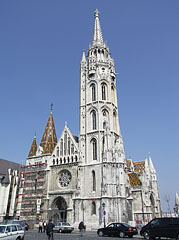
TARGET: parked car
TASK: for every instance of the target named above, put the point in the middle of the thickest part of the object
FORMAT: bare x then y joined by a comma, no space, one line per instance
117,229
63,227
22,223
11,232
161,227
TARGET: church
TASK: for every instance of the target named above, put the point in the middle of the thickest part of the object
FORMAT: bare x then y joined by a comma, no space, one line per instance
87,177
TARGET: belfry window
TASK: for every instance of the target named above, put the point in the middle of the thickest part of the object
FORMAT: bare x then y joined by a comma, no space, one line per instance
103,91
94,180
93,120
94,148
93,92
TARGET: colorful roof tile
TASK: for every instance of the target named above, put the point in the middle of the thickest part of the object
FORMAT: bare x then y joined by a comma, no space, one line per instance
134,179
139,167
33,149
49,138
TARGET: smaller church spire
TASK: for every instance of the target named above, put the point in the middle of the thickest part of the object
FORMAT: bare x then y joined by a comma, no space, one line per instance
152,169
49,138
33,149
83,57
97,37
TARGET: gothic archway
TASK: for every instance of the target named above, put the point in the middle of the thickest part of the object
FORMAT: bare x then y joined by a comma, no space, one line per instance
59,210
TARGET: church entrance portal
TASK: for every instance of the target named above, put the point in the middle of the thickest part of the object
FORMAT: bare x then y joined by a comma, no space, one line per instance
58,212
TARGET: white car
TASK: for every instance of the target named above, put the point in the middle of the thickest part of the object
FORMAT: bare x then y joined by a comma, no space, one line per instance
11,232
63,227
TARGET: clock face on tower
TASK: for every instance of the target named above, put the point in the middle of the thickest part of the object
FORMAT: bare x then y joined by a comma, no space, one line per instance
65,178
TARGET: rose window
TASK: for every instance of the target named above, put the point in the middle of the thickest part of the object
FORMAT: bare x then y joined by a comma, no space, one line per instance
64,178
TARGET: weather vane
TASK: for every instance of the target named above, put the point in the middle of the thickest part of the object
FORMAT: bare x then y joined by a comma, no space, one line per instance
51,107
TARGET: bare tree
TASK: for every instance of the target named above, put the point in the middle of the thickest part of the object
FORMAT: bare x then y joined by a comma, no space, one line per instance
167,200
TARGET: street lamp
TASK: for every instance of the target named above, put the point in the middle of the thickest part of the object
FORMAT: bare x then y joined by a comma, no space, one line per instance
104,213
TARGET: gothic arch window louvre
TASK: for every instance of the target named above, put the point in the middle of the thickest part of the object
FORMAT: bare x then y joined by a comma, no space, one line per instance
93,92
93,113
94,180
94,148
104,91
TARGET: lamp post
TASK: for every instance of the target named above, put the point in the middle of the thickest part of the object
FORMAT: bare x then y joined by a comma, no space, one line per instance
104,213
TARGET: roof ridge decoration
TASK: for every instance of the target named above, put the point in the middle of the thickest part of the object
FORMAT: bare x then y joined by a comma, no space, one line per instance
97,37
49,138
33,148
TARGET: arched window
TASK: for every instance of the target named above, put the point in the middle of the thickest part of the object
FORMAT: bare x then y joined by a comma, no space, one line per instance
61,147
94,148
72,148
93,120
103,91
53,161
65,143
93,209
93,92
57,161
69,146
94,180
57,151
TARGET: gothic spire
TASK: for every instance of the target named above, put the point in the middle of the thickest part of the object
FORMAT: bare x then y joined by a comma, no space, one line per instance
83,57
49,138
152,169
33,149
97,37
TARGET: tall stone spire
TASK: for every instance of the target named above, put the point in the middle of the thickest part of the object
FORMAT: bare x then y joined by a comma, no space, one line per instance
97,37
49,138
33,149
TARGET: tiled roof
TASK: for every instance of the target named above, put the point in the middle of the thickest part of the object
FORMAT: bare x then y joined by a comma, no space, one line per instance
139,167
33,149
134,179
49,138
4,166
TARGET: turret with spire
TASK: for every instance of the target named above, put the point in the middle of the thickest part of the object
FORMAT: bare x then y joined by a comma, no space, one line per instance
49,138
33,149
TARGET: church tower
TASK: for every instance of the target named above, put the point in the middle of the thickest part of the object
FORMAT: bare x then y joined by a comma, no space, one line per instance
102,158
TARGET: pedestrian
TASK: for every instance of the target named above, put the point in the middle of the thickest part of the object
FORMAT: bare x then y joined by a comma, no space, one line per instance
49,230
40,226
81,227
44,225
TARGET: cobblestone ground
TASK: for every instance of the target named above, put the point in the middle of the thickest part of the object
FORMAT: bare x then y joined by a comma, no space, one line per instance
34,235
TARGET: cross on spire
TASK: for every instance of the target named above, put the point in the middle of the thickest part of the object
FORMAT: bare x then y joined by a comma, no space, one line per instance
97,37
51,107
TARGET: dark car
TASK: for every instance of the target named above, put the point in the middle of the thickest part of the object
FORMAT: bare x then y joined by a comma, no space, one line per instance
22,223
161,227
118,229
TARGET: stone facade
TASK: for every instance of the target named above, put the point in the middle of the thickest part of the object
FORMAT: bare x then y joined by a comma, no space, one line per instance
9,188
88,177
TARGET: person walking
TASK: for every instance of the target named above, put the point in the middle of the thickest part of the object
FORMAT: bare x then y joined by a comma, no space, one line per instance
44,225
81,227
49,230
40,226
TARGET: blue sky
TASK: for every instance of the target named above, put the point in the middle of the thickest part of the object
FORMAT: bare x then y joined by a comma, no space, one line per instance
41,45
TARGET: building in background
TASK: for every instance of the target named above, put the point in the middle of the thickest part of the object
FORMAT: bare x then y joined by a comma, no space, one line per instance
9,187
88,178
